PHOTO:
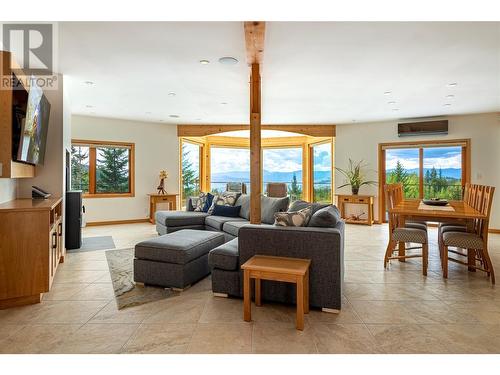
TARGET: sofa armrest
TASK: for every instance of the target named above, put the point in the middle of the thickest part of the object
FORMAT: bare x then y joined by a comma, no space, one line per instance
323,246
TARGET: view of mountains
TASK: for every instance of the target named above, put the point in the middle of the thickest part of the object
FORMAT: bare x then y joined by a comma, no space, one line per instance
243,176
455,173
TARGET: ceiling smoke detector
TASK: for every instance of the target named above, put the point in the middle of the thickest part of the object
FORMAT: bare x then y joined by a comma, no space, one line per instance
228,60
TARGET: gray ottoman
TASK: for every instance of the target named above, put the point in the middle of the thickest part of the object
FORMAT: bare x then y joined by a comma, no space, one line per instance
176,259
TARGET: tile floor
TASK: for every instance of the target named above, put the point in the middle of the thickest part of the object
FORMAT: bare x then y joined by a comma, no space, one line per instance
384,311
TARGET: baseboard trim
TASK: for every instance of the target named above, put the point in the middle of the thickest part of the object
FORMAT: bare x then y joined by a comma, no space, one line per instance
115,222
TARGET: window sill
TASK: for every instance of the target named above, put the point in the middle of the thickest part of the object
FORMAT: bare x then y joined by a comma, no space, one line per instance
109,195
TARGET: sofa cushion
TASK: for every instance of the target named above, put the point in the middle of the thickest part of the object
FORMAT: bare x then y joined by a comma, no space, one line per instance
228,198
232,227
299,205
225,256
179,247
180,218
227,211
326,217
269,206
244,202
216,222
293,219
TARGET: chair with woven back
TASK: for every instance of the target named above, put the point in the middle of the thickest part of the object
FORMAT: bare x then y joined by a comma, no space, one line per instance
475,243
411,233
276,189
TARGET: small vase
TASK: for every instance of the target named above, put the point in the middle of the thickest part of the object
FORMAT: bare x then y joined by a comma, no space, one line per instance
355,190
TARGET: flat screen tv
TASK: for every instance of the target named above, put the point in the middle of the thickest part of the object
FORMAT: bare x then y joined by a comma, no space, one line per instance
31,121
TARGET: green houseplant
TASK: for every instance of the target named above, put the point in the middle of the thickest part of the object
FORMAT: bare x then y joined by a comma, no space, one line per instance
354,176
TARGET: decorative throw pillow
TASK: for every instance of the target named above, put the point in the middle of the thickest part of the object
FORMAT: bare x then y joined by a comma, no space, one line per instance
225,199
325,218
293,219
228,211
199,202
208,202
300,205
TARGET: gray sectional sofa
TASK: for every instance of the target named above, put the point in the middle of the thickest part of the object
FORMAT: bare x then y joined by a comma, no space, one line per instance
323,244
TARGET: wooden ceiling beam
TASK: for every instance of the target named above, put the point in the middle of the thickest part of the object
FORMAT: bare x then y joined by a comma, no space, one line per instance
200,130
254,41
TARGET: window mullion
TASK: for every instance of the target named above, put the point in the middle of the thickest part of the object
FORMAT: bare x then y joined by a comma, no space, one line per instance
92,170
421,173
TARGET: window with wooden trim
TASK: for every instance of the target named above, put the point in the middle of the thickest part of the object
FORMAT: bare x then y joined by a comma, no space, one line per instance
428,169
102,169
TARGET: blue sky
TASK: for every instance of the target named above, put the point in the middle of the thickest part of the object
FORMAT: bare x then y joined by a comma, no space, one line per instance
439,157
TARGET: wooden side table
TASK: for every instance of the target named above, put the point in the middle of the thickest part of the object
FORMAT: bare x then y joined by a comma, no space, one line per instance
290,270
154,199
356,199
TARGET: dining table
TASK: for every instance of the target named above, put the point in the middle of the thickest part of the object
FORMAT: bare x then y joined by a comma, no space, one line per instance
454,212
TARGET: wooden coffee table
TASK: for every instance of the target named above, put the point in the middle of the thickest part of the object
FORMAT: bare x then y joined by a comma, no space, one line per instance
289,270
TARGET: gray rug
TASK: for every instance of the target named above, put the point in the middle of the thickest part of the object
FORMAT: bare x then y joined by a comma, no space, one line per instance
127,294
95,243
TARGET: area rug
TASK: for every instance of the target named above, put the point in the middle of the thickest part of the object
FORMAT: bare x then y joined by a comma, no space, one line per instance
95,243
127,294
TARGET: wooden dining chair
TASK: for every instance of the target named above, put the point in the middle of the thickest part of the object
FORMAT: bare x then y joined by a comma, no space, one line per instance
474,243
470,194
400,236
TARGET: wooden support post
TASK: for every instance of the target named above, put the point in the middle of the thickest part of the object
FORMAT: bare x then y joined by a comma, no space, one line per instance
255,145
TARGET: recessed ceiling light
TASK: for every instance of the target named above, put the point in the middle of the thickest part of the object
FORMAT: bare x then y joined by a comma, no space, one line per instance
395,109
90,83
198,119
391,102
171,93
223,103
89,106
388,93
450,96
228,60
148,113
447,104
173,116
453,84
204,62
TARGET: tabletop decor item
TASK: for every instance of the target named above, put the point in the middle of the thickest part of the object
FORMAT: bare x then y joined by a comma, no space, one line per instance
435,202
354,176
161,186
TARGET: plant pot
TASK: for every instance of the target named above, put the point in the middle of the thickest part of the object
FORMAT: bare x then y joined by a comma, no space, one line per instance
355,190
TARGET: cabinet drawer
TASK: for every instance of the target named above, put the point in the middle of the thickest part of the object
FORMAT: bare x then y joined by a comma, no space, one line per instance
346,199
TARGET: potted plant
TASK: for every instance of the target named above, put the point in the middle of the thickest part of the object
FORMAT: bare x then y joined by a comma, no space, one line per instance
354,176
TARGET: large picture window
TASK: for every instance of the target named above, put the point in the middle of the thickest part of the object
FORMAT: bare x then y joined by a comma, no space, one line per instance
322,172
229,165
190,169
426,169
284,165
102,169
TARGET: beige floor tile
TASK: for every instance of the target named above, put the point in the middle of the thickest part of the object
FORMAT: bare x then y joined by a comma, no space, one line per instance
86,265
275,338
180,309
134,314
171,338
389,312
409,338
388,292
343,338
37,338
64,291
470,338
78,276
97,338
346,315
221,338
95,292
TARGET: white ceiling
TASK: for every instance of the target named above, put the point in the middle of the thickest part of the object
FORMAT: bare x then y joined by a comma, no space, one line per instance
331,72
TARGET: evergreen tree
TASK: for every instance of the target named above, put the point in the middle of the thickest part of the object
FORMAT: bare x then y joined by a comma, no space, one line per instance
79,169
190,185
112,173
294,190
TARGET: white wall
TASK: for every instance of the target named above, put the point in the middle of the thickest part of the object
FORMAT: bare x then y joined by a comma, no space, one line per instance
360,141
156,148
7,189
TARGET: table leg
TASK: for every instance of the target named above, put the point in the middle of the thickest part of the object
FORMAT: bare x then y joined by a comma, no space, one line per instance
471,254
306,293
300,303
402,251
247,307
258,301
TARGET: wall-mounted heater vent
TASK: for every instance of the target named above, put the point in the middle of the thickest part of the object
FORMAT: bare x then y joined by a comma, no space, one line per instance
423,128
